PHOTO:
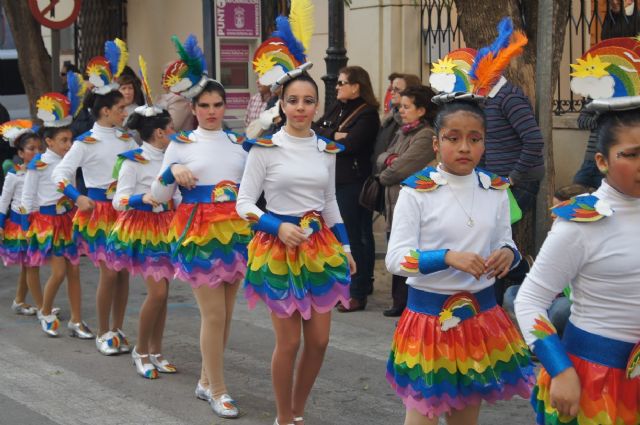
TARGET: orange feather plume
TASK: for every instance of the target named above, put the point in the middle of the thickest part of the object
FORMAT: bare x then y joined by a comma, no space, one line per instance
491,68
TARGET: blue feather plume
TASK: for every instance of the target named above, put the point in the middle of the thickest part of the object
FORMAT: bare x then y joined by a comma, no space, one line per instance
283,31
505,30
76,89
195,52
112,54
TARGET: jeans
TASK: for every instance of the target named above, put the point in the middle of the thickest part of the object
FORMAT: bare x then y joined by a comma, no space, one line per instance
559,311
588,174
359,223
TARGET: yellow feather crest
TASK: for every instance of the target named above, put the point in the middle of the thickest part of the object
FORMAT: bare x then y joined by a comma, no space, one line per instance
124,56
301,20
145,80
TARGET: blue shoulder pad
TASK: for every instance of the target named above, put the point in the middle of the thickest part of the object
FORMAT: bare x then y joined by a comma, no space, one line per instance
426,180
583,209
265,142
87,138
488,180
330,146
134,155
235,138
182,137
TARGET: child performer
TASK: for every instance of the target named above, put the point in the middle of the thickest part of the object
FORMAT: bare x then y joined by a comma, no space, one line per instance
14,221
297,266
207,236
139,240
454,346
50,234
96,152
592,376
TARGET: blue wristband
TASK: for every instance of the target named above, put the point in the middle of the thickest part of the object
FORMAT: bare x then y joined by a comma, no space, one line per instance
71,192
432,261
340,231
268,224
3,218
552,355
135,201
167,178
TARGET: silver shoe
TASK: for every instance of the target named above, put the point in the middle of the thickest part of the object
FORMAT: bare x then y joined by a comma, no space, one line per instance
146,370
163,366
80,330
108,343
124,342
224,406
50,324
55,310
23,309
203,393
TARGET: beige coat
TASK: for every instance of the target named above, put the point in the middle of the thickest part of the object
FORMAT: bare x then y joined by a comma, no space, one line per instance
415,152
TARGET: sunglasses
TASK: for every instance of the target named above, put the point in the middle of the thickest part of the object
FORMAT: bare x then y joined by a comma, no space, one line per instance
341,83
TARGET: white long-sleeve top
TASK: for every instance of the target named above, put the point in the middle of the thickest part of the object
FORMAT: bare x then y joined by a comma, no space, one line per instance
135,178
212,156
39,187
96,153
12,190
601,263
296,175
435,220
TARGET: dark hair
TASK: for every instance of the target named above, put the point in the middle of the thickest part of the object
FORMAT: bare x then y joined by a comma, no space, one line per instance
357,75
129,76
567,192
211,86
410,80
147,125
21,141
458,106
52,132
421,98
393,76
610,123
98,101
305,77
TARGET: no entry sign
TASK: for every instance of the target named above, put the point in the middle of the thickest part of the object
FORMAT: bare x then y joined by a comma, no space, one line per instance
55,14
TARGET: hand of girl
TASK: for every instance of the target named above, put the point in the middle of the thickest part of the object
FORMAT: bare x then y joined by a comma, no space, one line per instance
339,135
291,235
148,199
183,175
85,203
499,263
564,392
468,262
352,263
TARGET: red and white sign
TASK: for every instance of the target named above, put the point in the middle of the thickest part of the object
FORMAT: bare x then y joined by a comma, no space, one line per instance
238,18
55,14
237,100
234,52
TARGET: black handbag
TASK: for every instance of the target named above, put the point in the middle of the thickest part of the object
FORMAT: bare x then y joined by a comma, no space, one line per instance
372,195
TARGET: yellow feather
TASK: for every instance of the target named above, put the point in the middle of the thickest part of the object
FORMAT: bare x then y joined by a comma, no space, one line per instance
301,20
145,80
124,56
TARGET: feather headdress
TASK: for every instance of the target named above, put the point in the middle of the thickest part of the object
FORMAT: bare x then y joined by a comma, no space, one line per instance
492,60
77,89
54,109
13,129
103,70
188,75
147,110
287,47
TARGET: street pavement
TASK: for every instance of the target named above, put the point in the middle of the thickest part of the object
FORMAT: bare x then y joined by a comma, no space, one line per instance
65,381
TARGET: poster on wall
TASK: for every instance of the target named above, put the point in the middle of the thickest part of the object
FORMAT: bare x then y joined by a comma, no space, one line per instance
238,18
237,100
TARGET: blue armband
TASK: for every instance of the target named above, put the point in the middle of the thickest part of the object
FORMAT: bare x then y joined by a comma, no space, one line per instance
552,355
71,192
167,178
3,218
135,201
269,224
516,257
340,231
432,261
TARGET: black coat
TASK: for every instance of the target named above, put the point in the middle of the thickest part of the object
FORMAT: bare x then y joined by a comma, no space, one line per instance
353,165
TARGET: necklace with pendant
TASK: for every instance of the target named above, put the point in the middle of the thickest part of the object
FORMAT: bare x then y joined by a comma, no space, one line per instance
470,221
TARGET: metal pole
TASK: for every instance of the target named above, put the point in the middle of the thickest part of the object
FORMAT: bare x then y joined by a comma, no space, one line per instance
544,111
336,53
56,84
208,33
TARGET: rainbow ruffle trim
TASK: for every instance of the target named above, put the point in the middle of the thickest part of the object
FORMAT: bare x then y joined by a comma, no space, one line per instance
50,235
91,229
13,245
315,275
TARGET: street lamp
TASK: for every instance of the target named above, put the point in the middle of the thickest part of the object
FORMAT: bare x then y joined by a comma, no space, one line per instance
336,53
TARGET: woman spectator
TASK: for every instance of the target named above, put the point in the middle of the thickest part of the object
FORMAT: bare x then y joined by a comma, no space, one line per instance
353,121
410,151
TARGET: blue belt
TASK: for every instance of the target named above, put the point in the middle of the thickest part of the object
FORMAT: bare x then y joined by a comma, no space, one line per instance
50,210
97,194
197,195
21,219
595,348
167,206
432,303
287,218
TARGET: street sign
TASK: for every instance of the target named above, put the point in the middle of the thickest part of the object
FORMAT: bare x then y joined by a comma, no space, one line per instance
55,14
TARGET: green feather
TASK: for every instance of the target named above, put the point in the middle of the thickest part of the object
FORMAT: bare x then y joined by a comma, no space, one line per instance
117,167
